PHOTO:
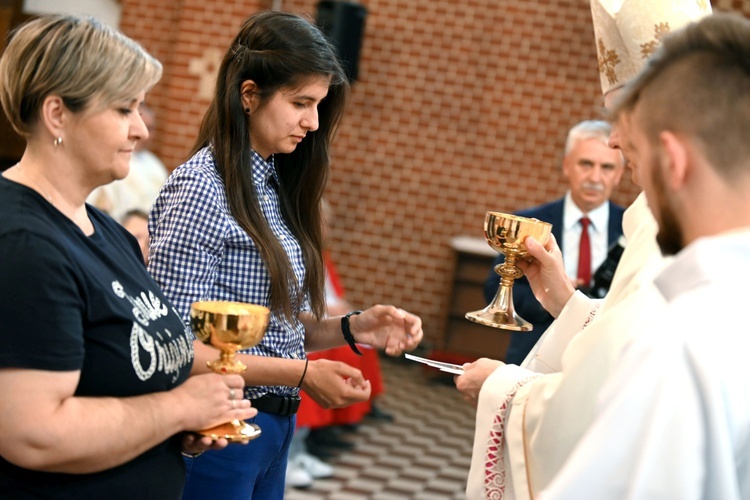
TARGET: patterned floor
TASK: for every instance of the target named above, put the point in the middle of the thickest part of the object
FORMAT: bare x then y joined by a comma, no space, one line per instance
423,454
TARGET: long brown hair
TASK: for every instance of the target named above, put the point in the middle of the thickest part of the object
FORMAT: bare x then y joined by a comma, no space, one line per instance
277,50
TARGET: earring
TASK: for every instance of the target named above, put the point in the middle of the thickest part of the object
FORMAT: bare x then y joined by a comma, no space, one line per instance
247,111
57,141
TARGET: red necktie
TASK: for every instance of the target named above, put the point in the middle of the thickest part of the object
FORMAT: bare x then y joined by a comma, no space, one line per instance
584,254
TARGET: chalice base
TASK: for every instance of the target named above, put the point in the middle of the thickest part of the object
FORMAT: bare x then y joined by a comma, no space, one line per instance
500,313
500,319
235,431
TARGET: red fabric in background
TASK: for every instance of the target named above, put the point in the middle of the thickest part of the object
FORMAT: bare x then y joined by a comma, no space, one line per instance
310,413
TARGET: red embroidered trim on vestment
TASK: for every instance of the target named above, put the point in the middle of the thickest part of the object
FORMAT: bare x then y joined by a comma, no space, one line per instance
494,465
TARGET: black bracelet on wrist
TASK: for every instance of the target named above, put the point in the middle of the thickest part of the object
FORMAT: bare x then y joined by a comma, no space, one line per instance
348,333
304,372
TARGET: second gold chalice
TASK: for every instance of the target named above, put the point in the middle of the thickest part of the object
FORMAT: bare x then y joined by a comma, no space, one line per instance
229,327
506,234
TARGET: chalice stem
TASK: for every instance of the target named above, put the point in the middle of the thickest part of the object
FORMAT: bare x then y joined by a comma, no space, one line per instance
508,271
500,313
227,363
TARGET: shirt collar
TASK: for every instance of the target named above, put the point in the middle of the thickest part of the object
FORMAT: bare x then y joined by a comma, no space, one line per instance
262,170
599,216
695,264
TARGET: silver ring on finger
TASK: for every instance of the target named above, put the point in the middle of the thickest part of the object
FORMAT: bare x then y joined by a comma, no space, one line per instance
231,394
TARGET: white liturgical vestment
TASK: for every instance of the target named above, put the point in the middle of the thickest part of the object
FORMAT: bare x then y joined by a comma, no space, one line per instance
527,423
673,419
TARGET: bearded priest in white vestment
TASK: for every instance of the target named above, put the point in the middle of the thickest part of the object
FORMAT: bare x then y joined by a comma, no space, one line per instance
530,418
673,418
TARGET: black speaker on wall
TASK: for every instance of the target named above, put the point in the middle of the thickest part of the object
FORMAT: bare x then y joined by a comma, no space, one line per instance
344,25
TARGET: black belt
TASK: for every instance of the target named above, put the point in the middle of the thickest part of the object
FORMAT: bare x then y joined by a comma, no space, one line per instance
278,405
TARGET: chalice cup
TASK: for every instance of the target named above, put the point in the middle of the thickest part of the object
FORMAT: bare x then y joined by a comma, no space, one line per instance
506,234
229,327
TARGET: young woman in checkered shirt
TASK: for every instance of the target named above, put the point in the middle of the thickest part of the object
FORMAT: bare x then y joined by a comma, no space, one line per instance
241,220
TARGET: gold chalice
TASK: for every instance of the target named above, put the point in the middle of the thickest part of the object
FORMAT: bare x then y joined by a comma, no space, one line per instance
506,233
229,326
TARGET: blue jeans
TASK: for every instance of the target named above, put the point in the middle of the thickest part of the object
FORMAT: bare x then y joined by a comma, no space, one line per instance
243,472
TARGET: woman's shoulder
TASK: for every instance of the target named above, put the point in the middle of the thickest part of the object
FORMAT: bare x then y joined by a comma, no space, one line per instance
198,173
193,187
23,209
202,163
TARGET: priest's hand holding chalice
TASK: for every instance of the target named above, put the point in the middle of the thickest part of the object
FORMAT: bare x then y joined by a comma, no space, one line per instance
229,327
506,234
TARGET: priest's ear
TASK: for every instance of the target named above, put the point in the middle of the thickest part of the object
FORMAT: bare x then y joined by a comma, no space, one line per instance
674,158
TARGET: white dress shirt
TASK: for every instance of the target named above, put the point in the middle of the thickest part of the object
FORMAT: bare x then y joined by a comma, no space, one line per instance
598,235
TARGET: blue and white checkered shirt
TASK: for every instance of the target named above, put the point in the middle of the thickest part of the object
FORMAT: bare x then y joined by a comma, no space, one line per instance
200,252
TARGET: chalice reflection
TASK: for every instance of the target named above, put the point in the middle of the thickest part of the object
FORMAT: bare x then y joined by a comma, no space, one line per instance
506,234
229,327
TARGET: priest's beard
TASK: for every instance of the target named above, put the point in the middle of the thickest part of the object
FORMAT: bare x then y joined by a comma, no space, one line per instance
669,237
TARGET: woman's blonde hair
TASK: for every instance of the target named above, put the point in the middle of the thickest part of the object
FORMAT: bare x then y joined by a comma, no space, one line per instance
78,59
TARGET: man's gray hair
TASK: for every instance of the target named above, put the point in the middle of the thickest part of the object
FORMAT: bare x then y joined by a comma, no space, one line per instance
585,130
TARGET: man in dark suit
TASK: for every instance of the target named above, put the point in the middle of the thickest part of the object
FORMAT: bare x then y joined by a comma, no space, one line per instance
593,169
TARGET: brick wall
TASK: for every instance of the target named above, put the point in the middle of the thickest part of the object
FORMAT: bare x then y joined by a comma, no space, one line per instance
461,107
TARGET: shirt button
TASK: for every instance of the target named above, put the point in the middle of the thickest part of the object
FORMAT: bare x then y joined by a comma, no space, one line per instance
265,197
282,237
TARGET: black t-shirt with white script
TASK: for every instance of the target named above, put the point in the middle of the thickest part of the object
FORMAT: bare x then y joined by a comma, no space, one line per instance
71,302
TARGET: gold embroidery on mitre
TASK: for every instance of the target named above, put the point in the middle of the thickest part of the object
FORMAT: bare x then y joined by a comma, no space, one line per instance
704,5
607,62
660,31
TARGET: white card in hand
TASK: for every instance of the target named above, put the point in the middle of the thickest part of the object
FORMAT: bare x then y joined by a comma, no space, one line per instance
444,367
